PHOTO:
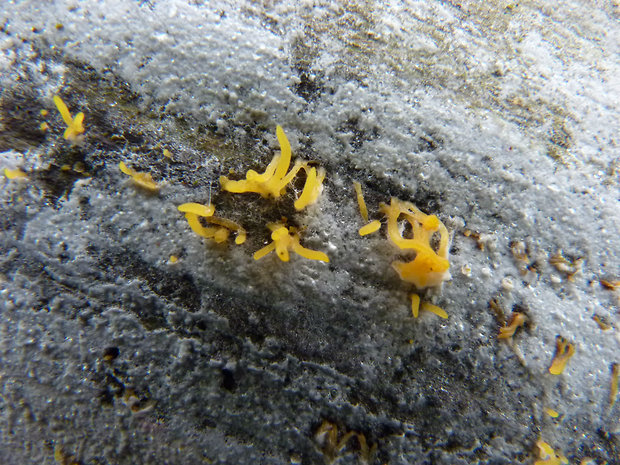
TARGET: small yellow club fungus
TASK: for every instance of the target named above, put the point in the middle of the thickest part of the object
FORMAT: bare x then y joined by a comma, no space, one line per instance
14,174
613,391
370,228
173,259
415,305
284,240
428,307
552,413
75,126
548,456
312,188
144,180
220,233
273,182
430,267
564,350
516,320
425,306
167,153
360,200
601,323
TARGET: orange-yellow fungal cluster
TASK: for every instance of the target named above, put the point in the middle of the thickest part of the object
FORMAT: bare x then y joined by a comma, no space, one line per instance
548,456
516,320
144,180
219,233
273,182
564,350
430,267
75,126
285,239
429,241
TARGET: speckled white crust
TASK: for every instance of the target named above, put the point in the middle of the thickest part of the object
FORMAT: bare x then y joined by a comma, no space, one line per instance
501,118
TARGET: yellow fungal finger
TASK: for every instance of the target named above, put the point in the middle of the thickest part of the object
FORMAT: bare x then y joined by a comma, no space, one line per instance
306,193
264,251
309,254
517,319
63,110
613,392
167,153
564,351
123,167
197,209
370,228
143,180
440,312
552,413
241,237
285,157
14,174
360,201
415,305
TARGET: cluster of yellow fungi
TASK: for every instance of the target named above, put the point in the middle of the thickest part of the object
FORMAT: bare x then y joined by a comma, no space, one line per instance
275,179
272,183
428,239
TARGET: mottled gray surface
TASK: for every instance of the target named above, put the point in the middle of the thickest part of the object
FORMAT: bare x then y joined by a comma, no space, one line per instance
501,119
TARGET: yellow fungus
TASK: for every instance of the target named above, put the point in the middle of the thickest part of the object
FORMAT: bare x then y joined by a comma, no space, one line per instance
197,209
75,126
173,259
552,413
516,320
548,456
143,180
43,112
601,323
167,153
273,182
65,167
564,351
218,234
415,305
284,240
613,392
428,307
14,174
430,267
44,126
609,284
312,188
360,201
370,228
